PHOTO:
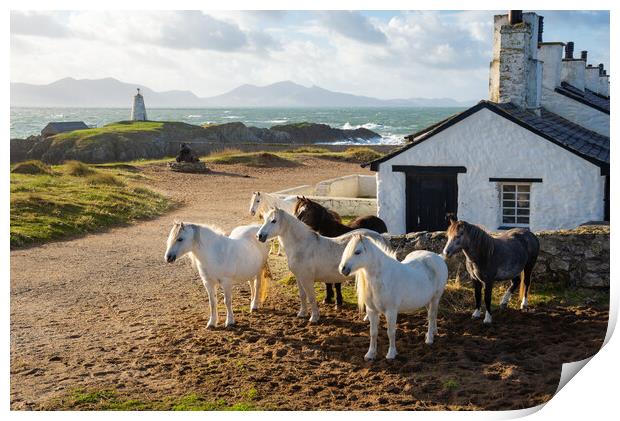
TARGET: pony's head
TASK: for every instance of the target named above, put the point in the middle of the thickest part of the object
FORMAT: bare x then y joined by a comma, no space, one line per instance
180,241
255,202
309,212
271,225
353,255
457,238
465,236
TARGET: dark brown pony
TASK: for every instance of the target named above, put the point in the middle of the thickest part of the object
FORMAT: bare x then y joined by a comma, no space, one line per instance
509,255
328,223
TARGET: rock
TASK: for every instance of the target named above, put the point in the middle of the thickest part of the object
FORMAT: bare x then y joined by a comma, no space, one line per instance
190,167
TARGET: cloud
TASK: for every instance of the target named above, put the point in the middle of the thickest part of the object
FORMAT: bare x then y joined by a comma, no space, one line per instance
193,29
353,25
37,24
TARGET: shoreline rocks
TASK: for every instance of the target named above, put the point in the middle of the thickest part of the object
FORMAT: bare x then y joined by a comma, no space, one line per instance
127,145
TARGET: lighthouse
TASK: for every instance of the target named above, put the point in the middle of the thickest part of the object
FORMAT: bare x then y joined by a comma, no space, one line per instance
138,110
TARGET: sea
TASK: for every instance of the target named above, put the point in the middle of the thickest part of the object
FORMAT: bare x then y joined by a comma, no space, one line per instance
392,124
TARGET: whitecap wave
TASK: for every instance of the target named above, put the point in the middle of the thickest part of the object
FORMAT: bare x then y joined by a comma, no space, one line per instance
230,117
369,126
281,121
194,116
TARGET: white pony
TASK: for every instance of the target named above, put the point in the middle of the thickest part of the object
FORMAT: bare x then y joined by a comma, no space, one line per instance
389,287
222,260
311,257
262,203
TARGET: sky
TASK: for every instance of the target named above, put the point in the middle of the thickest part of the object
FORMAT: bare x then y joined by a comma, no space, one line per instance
383,54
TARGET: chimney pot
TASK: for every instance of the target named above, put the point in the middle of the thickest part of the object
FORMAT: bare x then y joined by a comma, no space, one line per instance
570,48
600,69
515,16
584,55
541,26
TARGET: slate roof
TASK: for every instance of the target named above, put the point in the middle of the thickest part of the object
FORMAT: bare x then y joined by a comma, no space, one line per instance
585,143
65,126
587,97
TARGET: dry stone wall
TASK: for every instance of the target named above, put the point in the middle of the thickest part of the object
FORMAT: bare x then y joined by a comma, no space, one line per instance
578,257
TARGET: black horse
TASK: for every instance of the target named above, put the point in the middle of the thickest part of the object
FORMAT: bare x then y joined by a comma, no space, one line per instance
327,223
510,255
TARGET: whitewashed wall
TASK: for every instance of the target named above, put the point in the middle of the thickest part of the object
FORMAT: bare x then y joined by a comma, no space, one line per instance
576,112
491,146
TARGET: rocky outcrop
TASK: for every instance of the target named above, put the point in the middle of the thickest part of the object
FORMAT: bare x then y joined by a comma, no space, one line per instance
578,257
127,143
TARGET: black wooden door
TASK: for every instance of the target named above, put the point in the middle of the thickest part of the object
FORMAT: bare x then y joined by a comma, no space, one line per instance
430,197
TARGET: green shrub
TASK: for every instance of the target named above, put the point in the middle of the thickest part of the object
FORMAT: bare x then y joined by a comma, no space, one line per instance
32,167
78,169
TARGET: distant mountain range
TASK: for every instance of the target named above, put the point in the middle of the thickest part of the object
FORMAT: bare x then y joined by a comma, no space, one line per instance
112,93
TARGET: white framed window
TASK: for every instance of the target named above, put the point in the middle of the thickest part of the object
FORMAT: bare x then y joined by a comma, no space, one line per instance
515,204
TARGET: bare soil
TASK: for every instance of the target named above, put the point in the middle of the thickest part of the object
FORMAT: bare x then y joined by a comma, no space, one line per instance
105,312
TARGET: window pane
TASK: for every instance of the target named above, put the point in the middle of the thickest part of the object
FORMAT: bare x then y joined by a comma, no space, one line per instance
523,203
508,220
523,220
523,188
510,211
509,196
523,211
508,204
508,187
523,196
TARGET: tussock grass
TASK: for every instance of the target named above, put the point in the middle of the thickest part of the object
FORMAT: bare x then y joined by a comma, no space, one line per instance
32,167
49,207
104,179
361,154
309,149
77,169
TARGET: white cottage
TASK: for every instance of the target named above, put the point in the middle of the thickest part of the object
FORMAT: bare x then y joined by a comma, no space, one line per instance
536,155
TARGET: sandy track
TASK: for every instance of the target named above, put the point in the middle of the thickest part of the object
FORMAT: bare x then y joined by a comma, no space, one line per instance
106,312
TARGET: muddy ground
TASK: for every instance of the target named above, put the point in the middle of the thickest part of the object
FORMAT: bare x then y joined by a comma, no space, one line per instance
104,312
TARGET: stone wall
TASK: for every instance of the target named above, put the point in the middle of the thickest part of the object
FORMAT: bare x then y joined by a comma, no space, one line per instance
578,257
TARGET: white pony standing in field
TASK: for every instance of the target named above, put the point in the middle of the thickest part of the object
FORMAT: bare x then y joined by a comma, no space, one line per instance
262,203
222,260
389,287
311,257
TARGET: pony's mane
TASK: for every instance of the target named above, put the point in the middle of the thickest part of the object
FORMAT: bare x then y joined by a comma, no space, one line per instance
479,239
381,246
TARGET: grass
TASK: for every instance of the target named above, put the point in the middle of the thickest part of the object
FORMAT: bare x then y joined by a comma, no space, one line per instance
121,127
32,167
109,400
48,207
450,384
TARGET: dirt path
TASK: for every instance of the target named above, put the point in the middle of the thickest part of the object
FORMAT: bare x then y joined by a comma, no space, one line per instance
106,312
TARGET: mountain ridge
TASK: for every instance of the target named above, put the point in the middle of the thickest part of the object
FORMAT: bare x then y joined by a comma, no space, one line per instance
113,93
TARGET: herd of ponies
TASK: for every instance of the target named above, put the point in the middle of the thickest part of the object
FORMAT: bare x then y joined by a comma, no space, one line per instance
320,248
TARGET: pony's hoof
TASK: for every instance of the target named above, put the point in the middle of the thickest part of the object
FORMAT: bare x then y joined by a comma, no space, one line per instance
301,314
476,314
253,309
429,340
314,320
487,319
229,324
370,356
211,325
328,300
391,355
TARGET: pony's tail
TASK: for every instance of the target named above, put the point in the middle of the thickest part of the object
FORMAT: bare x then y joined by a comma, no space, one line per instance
265,278
362,285
522,287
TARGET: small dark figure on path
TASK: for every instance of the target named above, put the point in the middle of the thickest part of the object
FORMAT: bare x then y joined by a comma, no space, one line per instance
186,154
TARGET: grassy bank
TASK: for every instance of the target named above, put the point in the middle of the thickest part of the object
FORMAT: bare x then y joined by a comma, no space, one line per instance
290,157
73,199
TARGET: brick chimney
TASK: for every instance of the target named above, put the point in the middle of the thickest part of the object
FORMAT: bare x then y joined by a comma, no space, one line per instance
592,78
573,69
515,73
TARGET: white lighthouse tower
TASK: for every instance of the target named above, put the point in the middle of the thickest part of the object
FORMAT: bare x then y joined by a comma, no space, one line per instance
138,110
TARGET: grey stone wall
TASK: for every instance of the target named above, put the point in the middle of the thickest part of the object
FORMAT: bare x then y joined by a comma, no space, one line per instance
578,257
